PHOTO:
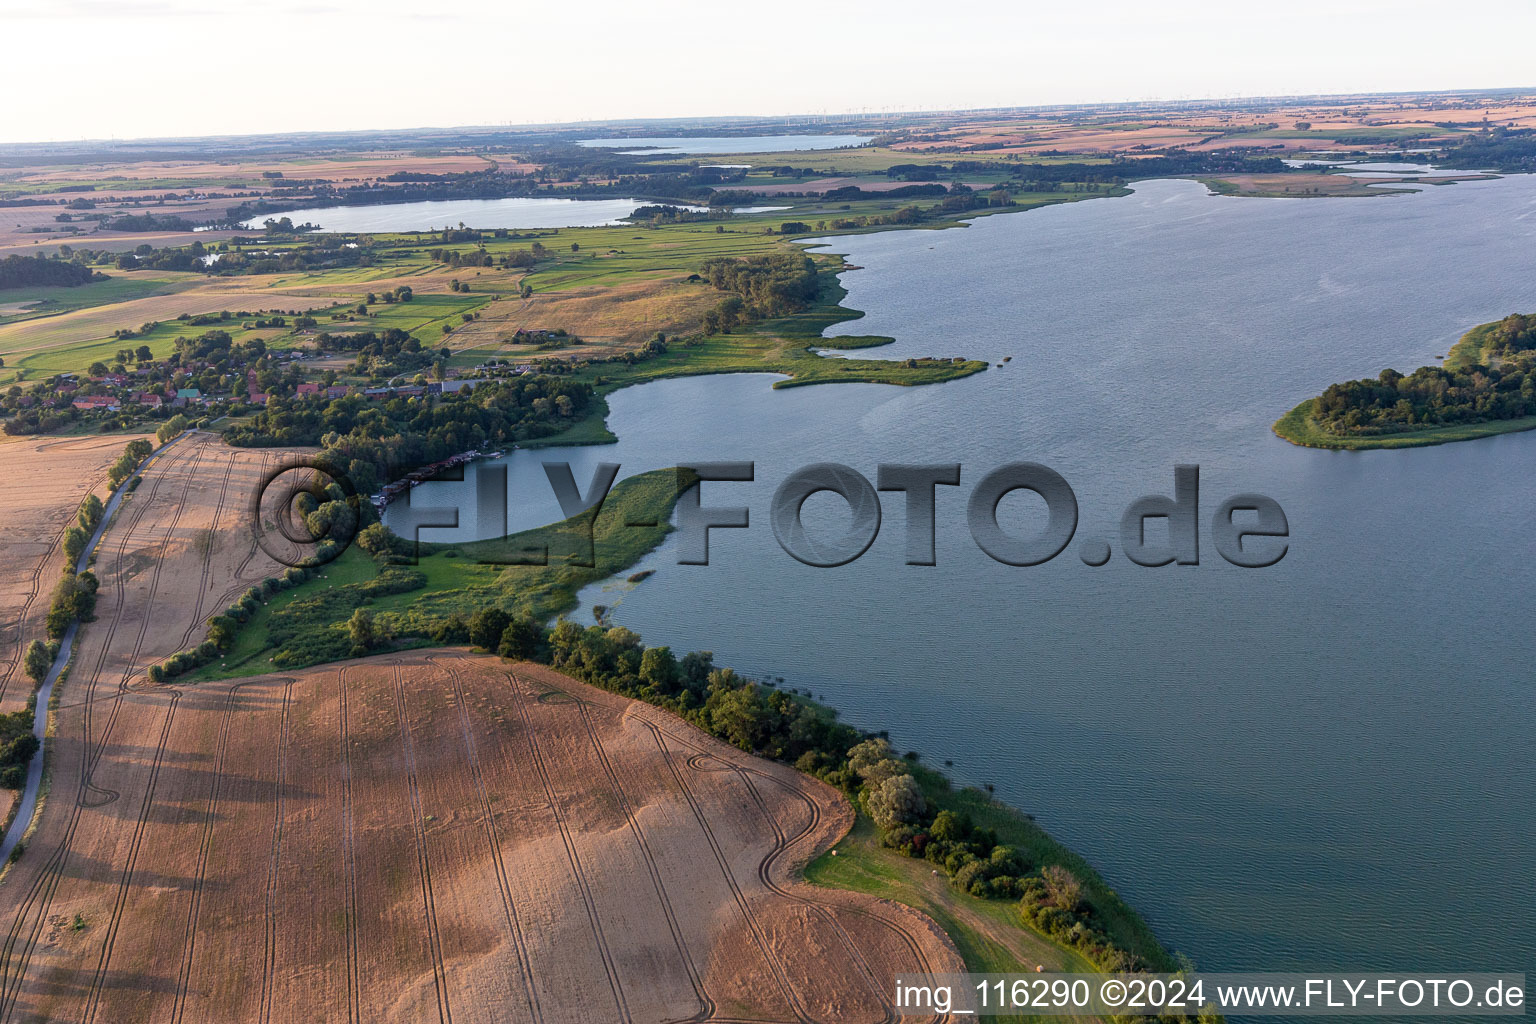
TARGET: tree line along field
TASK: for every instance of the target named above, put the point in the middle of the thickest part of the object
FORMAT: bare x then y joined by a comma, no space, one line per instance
46,478
411,837
609,290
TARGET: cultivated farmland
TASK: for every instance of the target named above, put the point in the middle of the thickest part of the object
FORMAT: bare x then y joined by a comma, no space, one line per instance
433,836
45,480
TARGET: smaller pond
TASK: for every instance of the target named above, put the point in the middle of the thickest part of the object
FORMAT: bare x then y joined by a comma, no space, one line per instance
727,144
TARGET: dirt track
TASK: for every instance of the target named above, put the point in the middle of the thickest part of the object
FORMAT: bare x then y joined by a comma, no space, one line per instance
416,837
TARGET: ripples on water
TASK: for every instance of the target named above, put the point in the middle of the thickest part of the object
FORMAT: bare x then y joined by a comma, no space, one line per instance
1324,764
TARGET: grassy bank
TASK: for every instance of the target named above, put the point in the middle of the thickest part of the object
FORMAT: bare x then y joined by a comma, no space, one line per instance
989,933
1299,428
786,345
307,625
411,602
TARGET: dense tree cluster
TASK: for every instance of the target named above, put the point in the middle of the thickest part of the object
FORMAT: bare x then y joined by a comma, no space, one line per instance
1511,150
377,441
73,598
35,271
1515,333
1430,396
385,355
657,214
772,285
148,222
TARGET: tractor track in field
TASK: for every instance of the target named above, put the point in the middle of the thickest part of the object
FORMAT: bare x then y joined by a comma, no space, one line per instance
706,1004
269,947
704,761
34,584
423,861
200,875
207,563
754,927
349,854
93,1000
578,872
493,838
40,894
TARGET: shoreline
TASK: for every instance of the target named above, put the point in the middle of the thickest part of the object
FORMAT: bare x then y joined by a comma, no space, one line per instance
1299,428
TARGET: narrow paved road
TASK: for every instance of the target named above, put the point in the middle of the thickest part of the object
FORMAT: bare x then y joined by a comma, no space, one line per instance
28,808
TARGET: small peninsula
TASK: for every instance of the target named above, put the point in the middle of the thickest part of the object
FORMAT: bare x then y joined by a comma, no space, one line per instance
1485,386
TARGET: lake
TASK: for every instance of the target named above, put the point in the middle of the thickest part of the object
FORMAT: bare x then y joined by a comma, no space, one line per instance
521,212
1320,765
726,144
1382,168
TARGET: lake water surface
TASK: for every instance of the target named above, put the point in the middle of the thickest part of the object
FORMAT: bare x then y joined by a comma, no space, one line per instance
518,212
1321,765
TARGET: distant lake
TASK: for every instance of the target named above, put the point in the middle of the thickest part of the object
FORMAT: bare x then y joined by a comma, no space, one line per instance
1381,168
1321,765
520,212
728,144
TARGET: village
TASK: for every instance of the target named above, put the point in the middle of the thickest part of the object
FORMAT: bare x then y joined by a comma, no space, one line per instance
155,389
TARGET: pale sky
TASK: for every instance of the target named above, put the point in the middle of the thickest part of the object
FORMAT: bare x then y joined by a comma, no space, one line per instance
73,69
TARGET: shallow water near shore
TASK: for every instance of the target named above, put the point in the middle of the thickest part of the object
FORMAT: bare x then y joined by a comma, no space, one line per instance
1320,765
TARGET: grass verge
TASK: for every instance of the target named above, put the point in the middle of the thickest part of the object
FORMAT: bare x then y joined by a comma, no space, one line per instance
308,624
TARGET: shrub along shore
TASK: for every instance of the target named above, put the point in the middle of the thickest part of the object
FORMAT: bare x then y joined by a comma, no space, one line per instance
1486,386
386,594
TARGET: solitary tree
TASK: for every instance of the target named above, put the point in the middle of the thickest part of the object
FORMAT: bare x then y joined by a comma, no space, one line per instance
38,661
362,631
486,627
90,512
74,544
897,801
521,638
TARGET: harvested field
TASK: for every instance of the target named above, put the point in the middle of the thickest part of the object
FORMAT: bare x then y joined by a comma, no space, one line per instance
617,318
419,836
433,837
46,479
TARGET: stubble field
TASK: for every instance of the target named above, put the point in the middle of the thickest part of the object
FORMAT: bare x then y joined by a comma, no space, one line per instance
45,481
435,836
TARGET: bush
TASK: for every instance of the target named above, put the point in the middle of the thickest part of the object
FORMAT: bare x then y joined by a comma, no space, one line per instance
898,800
73,598
38,660
170,428
452,630
486,627
90,513
75,540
